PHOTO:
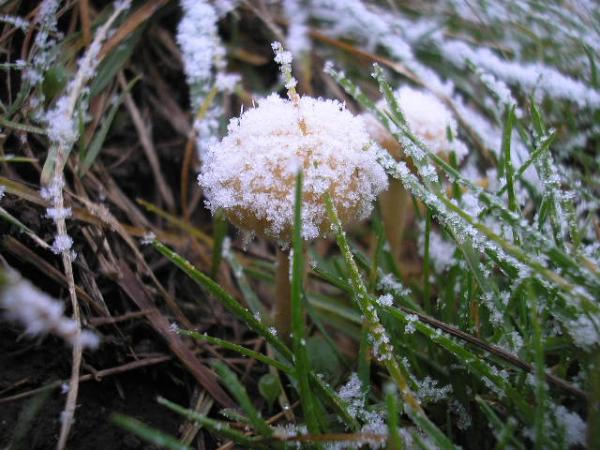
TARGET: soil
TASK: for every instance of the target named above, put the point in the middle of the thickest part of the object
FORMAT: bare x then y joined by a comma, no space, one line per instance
35,363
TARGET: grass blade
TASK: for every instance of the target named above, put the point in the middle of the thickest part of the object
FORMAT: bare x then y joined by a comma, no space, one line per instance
298,317
233,385
147,433
214,426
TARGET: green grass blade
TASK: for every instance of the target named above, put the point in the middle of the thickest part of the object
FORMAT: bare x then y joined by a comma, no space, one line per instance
222,296
214,426
238,349
242,281
395,441
219,234
233,385
309,406
382,346
147,433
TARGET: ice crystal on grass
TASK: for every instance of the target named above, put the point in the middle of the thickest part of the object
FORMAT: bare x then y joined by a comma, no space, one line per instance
385,300
532,78
251,173
573,425
200,45
411,320
584,331
62,243
58,213
204,65
388,282
225,82
297,39
353,394
148,238
428,390
44,51
39,313
61,126
15,21
441,251
284,58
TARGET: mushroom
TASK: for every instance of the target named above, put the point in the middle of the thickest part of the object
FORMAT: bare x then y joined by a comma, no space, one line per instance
250,174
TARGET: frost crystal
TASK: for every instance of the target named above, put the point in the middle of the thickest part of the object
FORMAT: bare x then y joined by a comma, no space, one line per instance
203,55
428,390
574,427
226,82
62,243
148,238
15,21
251,173
297,38
197,36
584,331
40,313
386,300
441,251
58,213
353,394
410,324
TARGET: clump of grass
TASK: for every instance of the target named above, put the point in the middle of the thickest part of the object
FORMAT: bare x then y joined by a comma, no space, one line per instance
478,328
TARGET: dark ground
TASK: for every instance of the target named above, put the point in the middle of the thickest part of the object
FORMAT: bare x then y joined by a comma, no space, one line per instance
28,364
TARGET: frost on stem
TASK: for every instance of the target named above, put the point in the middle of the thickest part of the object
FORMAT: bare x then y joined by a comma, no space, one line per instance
251,173
15,21
204,55
373,423
284,59
38,312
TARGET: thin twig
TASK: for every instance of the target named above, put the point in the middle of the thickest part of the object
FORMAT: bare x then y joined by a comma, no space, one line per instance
76,87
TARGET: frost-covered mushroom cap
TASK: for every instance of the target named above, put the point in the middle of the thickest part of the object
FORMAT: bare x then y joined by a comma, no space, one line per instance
428,119
251,173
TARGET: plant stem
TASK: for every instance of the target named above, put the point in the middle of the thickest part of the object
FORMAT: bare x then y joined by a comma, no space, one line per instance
395,212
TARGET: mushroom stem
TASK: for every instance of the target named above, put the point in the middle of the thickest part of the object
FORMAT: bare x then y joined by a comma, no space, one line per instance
282,308
395,212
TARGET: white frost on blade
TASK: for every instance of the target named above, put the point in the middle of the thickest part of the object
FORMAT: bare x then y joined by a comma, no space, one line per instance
197,36
251,173
39,313
15,21
441,251
491,137
353,394
533,78
204,57
584,331
376,26
574,427
297,39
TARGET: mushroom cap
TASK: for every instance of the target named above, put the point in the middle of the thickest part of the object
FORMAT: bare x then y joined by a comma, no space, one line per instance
251,174
427,117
